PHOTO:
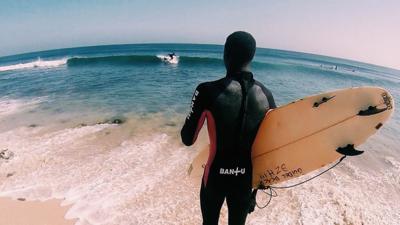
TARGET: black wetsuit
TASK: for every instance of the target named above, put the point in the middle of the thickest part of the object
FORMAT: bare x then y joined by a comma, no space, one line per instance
234,107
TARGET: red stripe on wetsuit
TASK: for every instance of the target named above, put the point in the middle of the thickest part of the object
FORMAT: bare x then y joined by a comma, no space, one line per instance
213,140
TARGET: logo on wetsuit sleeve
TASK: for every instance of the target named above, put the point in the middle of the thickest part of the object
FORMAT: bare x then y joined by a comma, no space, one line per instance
196,93
232,171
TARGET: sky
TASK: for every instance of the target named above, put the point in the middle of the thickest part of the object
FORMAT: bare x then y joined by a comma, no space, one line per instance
363,30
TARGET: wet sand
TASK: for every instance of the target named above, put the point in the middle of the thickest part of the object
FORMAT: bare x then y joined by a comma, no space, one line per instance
17,212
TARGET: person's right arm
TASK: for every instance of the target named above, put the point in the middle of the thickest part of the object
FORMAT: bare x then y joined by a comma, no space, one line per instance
195,119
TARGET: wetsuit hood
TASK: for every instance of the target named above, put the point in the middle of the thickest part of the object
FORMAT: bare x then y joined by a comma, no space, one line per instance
239,50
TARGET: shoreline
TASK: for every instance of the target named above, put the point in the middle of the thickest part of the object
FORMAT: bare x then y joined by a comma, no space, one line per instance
21,212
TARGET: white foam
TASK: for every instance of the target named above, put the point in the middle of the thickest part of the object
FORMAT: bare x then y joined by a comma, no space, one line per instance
166,58
34,64
11,106
125,183
345,195
140,179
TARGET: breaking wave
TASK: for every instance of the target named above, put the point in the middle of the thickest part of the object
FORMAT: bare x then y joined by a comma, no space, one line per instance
137,59
35,64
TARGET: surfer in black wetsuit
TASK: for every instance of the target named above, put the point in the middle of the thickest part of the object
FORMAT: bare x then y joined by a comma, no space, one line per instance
234,107
171,55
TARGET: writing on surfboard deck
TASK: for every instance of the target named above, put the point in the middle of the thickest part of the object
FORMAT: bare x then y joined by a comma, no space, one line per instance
310,133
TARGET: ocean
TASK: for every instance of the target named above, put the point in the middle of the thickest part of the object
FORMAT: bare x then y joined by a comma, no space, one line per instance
99,127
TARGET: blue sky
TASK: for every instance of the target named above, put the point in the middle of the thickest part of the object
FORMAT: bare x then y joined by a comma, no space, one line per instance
364,30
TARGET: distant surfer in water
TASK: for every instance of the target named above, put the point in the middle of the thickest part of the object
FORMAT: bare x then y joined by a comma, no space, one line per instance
171,55
234,107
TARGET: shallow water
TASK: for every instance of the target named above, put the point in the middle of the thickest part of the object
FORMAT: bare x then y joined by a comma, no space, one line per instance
52,114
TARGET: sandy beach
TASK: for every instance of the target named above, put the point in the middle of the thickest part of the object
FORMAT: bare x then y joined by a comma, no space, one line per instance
17,212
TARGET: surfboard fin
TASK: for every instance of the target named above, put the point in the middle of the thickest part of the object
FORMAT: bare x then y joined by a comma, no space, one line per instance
371,111
323,100
349,150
